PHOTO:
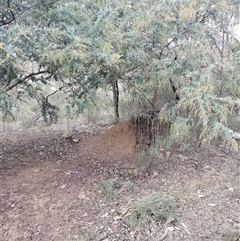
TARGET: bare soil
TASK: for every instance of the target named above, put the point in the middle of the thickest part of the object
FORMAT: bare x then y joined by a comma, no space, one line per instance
52,187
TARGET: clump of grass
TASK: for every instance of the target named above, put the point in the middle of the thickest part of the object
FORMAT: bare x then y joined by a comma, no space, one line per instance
110,187
152,208
128,186
231,235
146,158
92,235
114,186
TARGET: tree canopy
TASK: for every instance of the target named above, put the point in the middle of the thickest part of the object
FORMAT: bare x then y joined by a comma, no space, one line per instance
178,56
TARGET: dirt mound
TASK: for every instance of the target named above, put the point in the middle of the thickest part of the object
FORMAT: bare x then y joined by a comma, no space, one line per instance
117,143
120,140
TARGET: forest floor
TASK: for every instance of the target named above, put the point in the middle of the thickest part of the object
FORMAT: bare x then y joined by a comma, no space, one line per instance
84,188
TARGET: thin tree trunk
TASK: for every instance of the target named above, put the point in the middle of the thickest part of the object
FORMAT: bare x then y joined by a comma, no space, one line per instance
115,99
174,88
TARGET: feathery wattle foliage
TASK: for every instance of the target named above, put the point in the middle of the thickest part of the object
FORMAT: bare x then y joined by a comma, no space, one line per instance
178,56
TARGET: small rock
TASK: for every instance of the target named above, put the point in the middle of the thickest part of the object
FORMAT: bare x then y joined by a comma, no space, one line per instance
68,172
116,218
212,205
75,140
13,205
81,195
155,173
124,211
105,215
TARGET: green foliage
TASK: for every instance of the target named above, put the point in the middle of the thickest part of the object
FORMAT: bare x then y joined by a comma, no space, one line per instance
152,208
178,139
180,133
182,56
145,159
113,187
110,187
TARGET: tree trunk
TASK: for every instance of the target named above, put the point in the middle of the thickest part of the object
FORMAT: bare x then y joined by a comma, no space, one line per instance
115,99
174,88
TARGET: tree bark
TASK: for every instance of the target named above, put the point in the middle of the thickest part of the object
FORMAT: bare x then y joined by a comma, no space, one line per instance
115,90
174,88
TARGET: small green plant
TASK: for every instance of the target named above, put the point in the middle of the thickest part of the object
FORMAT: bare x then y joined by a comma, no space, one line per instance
152,208
179,132
231,235
128,186
92,235
146,158
110,187
113,187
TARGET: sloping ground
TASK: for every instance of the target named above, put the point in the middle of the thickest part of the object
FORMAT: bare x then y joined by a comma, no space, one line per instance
118,143
51,188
